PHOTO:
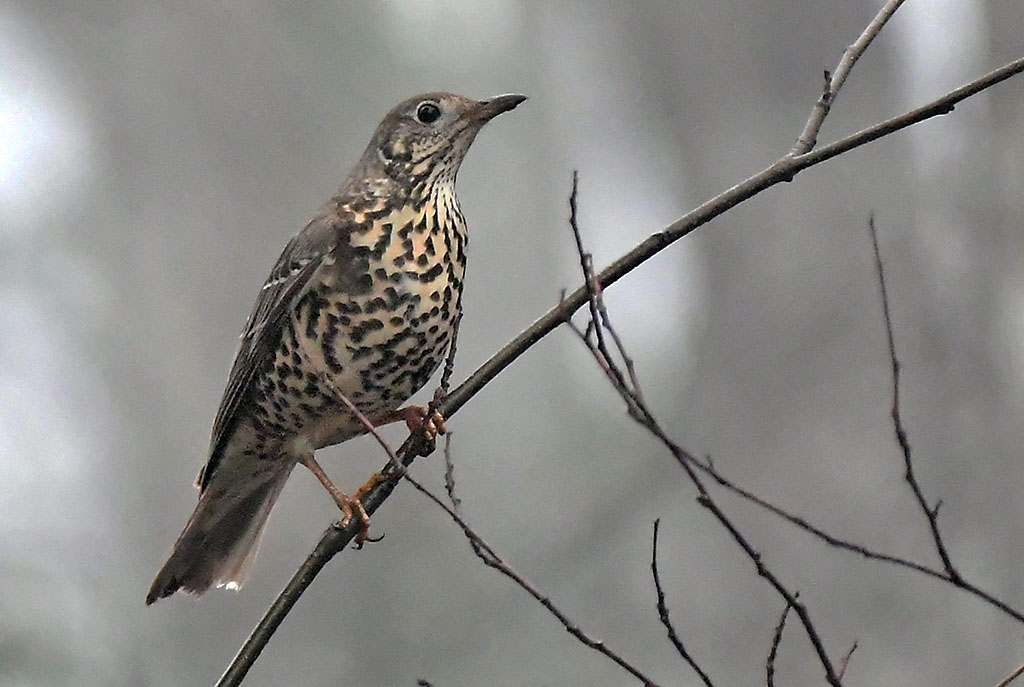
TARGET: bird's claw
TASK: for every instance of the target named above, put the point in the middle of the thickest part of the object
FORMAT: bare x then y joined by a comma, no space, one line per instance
352,507
422,419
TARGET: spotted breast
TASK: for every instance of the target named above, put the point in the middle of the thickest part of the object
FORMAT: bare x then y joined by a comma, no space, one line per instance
376,338
360,306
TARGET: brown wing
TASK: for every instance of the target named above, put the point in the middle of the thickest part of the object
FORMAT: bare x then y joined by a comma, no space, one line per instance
288,282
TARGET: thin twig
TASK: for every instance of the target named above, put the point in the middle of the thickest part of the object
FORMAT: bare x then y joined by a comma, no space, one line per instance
773,650
598,313
449,486
449,473
1017,672
587,266
449,362
845,662
673,636
641,414
449,367
834,80
370,427
712,471
932,513
491,559
785,169
684,459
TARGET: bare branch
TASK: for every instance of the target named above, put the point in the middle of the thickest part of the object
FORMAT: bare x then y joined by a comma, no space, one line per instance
932,513
773,651
834,80
640,413
845,662
449,473
335,539
663,613
684,459
587,265
599,320
712,471
1017,672
449,363
490,558
449,367
784,169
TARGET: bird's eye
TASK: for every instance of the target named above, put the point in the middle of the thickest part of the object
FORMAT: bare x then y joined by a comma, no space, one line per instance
428,112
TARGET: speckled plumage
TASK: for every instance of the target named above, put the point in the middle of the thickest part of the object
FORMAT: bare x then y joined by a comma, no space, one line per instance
362,303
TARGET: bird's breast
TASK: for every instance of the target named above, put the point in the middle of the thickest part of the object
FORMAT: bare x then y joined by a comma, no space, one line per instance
379,321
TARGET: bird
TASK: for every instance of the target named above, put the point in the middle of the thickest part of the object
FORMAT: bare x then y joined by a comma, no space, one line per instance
359,309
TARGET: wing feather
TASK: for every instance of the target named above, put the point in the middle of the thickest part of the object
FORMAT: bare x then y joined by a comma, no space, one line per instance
290,279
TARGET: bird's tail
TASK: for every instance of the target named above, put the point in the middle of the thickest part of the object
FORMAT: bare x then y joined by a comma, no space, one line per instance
219,543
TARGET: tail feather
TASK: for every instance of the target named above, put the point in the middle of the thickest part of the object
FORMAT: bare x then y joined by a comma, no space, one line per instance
220,541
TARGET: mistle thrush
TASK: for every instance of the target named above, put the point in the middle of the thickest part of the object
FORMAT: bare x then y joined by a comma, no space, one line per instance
360,305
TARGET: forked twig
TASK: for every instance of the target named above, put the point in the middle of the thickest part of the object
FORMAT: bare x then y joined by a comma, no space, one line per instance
932,513
834,80
785,169
712,471
492,559
641,414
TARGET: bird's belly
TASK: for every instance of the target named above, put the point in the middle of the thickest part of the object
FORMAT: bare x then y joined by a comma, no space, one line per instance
376,350
372,329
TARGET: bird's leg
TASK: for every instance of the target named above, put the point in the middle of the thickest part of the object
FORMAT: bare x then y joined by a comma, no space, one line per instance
417,418
350,505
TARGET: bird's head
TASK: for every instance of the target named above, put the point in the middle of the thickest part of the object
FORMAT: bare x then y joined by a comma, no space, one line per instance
424,139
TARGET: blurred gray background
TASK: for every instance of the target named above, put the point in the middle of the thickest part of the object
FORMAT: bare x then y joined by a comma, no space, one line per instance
155,157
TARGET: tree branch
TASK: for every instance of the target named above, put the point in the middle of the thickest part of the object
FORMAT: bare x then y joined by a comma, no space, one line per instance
782,170
773,650
642,415
491,559
336,538
845,662
930,512
673,636
1017,672
709,469
834,81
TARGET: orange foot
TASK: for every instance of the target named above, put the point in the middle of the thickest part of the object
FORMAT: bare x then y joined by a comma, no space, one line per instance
351,506
419,418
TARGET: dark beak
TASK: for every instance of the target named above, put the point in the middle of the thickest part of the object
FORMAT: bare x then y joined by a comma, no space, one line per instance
492,107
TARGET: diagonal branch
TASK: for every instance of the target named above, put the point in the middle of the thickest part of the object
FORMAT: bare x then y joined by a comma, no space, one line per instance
642,415
782,170
773,650
834,80
336,538
492,559
930,512
712,471
1017,672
